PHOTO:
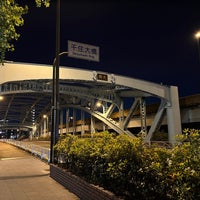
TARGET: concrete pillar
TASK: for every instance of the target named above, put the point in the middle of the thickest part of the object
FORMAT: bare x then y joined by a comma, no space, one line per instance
173,115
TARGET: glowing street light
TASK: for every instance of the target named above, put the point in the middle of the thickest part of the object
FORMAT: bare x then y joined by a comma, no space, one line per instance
1,98
100,104
197,36
44,116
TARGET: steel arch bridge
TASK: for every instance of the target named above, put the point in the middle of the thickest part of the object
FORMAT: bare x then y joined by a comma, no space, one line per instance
27,90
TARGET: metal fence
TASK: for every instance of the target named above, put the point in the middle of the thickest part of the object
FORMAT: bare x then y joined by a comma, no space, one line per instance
36,150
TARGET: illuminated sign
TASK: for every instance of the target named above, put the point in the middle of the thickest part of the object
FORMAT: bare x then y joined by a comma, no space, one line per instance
102,77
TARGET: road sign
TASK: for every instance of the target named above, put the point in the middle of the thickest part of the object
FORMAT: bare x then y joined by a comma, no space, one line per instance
83,51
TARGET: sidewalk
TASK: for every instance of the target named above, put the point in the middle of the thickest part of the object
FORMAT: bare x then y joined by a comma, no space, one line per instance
24,177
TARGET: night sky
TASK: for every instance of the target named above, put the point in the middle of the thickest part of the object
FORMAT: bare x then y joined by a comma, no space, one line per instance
150,40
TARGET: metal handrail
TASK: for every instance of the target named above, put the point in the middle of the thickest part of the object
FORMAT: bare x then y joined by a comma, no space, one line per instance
37,150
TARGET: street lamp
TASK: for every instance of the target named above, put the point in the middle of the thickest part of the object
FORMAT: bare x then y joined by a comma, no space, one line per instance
100,104
197,36
55,104
1,98
55,90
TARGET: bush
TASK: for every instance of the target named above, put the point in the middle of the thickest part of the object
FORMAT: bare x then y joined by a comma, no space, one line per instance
127,167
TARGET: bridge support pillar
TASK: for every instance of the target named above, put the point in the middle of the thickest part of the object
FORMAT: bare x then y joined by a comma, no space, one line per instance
173,116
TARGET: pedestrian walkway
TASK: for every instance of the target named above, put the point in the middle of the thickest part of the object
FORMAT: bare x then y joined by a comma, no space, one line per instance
25,177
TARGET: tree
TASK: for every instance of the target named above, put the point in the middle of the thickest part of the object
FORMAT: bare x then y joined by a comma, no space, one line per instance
11,16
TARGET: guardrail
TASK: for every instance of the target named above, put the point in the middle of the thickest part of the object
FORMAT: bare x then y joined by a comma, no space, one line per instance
41,152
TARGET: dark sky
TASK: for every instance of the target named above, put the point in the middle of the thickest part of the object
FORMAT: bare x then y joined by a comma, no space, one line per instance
150,40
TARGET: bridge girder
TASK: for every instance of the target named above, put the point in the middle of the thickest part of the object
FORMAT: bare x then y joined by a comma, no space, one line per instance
26,91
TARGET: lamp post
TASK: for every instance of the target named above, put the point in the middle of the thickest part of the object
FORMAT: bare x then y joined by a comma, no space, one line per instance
55,89
55,105
197,36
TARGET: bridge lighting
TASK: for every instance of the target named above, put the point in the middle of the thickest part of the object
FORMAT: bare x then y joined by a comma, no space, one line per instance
1,98
98,104
33,116
44,116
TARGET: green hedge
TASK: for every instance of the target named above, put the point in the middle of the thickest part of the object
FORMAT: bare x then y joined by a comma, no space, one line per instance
132,170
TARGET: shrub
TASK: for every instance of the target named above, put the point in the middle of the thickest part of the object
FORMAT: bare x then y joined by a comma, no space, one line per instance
127,167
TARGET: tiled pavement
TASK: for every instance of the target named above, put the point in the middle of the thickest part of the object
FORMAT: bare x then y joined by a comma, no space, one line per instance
24,177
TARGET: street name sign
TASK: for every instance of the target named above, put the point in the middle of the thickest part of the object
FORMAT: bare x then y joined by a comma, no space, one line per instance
83,51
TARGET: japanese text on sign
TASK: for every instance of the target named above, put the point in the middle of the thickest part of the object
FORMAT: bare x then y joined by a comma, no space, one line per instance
83,51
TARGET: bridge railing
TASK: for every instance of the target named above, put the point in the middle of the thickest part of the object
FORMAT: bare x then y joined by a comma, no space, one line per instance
41,152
